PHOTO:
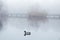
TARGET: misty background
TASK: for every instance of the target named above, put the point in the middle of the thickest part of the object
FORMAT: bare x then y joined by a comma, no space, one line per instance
13,28
22,6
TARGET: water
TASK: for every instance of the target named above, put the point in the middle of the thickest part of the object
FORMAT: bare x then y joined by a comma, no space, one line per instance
15,27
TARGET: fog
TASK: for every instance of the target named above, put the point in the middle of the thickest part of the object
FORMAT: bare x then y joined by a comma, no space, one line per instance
12,26
22,6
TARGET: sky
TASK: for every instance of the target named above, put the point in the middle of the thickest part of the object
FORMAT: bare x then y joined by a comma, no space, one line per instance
22,6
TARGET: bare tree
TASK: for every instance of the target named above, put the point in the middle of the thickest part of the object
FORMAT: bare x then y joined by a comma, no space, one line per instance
2,15
36,15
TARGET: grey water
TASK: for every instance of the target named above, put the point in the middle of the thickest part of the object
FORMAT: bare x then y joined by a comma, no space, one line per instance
15,27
